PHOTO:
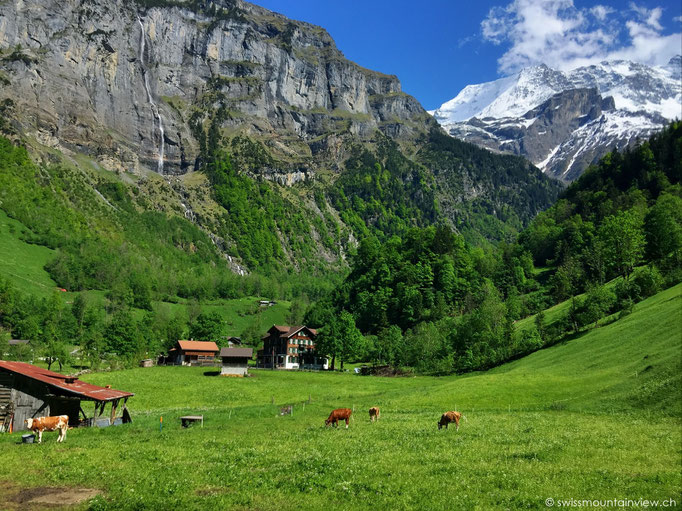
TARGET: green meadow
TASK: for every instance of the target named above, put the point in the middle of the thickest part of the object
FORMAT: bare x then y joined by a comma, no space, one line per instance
596,417
22,263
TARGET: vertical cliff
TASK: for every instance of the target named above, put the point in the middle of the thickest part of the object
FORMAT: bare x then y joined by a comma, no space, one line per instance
133,83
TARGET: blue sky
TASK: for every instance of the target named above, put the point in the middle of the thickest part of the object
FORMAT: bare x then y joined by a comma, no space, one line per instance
437,47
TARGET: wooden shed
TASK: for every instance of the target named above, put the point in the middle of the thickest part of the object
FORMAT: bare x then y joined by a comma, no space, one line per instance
235,361
30,391
194,353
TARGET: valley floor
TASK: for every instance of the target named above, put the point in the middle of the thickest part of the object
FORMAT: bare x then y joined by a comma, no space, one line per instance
597,417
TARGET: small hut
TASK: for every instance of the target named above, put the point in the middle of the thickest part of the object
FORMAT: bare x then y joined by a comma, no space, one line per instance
234,341
29,391
235,361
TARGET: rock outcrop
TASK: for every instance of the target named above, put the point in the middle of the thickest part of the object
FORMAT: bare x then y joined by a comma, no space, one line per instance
132,84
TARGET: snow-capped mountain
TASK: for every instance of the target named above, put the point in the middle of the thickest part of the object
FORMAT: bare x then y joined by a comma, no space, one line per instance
563,121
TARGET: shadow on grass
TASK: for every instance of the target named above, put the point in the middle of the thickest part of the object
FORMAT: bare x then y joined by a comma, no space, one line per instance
211,373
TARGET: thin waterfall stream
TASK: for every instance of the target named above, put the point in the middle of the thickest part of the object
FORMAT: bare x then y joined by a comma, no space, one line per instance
152,104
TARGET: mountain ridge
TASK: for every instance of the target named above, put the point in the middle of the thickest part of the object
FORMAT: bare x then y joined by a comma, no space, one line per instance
499,114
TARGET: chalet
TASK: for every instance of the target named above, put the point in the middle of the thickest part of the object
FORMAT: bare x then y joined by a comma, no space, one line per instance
193,353
290,347
28,391
235,361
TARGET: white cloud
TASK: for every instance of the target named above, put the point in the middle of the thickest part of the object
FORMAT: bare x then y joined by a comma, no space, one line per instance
562,36
601,12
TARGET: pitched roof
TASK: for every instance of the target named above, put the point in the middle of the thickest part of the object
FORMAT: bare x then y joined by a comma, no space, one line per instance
15,342
288,331
198,346
67,384
236,352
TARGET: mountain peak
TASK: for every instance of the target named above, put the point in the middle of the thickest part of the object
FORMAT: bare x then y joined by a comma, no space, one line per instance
630,100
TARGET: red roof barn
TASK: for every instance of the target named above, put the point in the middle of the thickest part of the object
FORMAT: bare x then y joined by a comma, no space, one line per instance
31,391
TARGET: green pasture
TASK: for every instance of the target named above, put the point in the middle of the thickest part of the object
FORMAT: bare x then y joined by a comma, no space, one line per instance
238,313
597,417
22,263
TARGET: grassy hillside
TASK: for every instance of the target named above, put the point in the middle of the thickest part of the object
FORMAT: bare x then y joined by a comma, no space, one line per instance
23,263
240,313
594,418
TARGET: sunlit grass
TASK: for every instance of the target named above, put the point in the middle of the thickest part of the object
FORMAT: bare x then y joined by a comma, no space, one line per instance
585,419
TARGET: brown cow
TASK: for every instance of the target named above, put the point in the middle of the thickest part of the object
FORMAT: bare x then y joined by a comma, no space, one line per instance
374,413
449,417
337,415
60,422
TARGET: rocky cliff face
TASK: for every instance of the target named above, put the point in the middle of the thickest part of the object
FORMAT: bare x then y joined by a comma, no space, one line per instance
133,85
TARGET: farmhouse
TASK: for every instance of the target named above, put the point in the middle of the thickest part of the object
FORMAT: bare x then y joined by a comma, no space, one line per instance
290,347
193,353
28,391
235,361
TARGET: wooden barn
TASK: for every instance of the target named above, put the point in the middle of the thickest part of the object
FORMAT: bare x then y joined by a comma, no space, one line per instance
30,391
194,353
235,361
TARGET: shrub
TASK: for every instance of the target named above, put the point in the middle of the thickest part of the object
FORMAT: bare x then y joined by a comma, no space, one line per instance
626,290
649,280
530,341
598,302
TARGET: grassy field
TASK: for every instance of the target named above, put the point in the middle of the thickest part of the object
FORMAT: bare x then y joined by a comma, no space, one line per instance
597,417
239,313
22,263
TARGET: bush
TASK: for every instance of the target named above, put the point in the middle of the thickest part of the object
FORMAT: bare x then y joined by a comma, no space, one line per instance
626,308
649,280
626,290
597,303
529,341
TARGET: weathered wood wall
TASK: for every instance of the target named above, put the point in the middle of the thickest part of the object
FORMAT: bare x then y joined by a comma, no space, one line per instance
29,397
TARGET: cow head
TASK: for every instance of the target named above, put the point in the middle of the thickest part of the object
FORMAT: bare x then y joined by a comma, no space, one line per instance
327,422
29,423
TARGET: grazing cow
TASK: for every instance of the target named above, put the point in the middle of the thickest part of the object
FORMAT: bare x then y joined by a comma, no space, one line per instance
449,417
337,415
374,413
60,422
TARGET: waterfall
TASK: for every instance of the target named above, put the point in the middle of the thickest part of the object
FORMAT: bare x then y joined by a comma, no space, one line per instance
152,104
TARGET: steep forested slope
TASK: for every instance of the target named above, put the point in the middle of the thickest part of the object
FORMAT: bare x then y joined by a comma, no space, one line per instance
428,299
